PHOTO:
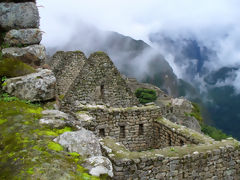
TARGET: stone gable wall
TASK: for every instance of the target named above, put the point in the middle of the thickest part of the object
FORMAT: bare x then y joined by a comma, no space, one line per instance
99,82
66,67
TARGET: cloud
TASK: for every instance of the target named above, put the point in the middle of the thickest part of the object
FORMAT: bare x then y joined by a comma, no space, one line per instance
214,24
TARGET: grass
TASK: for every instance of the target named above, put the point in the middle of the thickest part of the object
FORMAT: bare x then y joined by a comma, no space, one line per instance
27,150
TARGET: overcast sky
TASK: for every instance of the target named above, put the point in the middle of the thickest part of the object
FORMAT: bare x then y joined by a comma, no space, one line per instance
215,23
137,18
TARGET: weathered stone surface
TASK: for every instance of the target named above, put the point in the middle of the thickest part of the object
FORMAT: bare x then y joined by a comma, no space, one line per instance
83,142
23,37
33,55
55,118
18,15
99,82
99,165
66,66
38,86
87,121
204,161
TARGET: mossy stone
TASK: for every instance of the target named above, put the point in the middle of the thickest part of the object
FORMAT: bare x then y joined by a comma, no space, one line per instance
11,67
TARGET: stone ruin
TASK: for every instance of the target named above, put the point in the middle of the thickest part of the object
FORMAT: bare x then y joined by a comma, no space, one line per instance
140,142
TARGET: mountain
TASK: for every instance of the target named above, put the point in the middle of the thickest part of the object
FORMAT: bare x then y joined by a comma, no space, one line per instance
218,96
134,58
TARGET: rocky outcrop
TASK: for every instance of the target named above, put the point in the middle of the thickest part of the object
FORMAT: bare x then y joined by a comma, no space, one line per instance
83,142
134,85
33,55
18,15
38,86
99,165
23,37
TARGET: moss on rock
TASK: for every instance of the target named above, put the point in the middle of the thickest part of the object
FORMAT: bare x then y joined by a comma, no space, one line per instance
27,150
11,67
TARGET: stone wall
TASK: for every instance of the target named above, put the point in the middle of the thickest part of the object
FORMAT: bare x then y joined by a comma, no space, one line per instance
137,128
66,67
99,82
165,136
19,32
215,160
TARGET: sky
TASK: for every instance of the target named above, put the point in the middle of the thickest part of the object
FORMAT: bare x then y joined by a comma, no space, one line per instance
214,23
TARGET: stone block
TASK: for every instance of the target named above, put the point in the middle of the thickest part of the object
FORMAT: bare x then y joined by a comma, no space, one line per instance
18,15
23,37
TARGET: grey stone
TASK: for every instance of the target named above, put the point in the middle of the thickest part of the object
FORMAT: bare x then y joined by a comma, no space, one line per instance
99,165
23,37
33,55
83,142
18,15
38,86
55,118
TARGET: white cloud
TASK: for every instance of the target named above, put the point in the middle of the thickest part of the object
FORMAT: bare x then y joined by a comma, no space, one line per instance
215,23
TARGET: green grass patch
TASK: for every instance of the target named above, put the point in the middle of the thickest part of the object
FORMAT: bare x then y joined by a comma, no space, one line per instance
27,150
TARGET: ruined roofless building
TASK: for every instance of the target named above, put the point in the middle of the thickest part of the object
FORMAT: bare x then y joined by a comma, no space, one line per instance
138,141
99,82
95,86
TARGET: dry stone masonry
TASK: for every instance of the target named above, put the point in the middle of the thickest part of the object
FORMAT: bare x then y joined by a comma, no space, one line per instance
215,160
99,82
20,24
66,67
138,142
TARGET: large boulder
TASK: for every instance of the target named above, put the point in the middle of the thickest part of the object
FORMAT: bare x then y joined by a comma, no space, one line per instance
38,86
99,165
23,37
33,55
83,142
18,15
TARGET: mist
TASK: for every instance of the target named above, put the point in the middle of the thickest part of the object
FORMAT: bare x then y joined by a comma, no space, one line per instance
214,25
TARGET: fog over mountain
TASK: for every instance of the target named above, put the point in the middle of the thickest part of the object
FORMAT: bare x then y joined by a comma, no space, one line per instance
199,40
214,24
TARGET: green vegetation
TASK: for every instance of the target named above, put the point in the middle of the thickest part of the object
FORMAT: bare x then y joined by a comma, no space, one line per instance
27,150
213,132
195,112
145,95
10,67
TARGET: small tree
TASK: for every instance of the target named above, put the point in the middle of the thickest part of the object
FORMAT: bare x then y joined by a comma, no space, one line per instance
145,95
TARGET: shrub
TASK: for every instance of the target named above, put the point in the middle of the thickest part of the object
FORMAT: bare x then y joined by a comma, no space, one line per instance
145,95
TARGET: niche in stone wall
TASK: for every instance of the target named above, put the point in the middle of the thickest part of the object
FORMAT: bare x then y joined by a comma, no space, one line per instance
140,130
169,140
122,132
99,92
102,132
102,91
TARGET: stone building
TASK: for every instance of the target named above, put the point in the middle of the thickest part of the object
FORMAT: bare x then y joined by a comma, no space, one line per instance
99,82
